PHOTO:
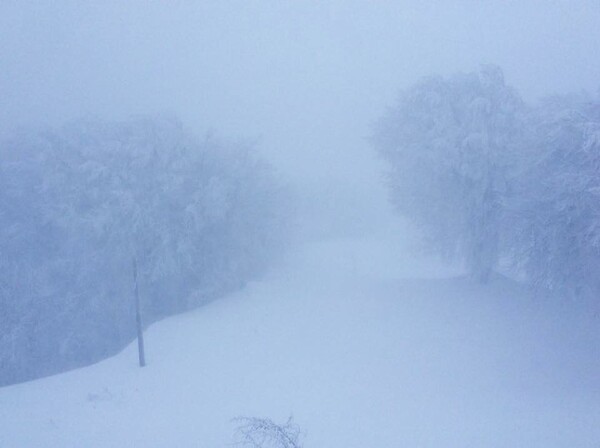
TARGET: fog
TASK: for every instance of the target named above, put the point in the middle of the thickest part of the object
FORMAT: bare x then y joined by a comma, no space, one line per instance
380,217
303,79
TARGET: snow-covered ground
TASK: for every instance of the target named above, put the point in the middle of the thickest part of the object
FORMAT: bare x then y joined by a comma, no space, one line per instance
363,342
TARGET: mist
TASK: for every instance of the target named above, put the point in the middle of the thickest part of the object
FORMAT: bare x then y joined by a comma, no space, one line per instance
356,223
305,80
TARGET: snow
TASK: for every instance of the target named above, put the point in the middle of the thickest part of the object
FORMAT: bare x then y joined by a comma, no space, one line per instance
364,342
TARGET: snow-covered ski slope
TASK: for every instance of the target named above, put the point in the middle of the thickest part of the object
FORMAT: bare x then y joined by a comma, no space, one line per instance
364,343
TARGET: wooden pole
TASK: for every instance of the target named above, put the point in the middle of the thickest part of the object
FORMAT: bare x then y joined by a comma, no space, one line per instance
138,317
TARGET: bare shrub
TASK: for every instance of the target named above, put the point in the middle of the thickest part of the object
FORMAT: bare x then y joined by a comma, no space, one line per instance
264,433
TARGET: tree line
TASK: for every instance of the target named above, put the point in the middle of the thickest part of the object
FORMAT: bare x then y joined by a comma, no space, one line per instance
492,180
79,203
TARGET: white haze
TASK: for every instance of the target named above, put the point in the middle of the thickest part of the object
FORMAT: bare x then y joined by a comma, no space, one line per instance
303,79
366,343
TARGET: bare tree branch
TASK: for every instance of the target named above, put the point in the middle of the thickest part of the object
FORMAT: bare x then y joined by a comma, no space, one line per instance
256,432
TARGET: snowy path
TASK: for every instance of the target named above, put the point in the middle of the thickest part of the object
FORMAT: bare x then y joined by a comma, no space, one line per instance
362,344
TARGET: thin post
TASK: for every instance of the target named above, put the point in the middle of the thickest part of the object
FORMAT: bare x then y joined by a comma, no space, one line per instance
138,317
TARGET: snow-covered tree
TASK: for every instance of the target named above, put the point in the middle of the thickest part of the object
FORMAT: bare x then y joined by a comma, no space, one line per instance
555,206
78,203
449,144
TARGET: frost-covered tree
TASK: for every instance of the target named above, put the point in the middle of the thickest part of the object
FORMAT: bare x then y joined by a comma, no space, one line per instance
78,203
449,145
555,206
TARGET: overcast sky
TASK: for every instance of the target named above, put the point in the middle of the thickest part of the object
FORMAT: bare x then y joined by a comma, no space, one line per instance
304,78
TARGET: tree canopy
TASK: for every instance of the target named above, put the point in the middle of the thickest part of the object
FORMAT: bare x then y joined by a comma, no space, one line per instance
77,204
449,144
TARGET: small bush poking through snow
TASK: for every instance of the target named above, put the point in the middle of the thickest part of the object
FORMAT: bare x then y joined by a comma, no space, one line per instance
264,433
